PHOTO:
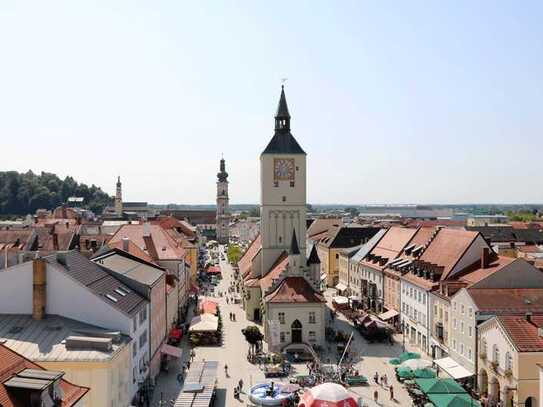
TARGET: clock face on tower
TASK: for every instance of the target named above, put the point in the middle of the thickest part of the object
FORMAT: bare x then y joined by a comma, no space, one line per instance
283,169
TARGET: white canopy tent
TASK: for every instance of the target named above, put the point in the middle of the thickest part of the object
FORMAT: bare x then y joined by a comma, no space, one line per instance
340,300
452,368
204,323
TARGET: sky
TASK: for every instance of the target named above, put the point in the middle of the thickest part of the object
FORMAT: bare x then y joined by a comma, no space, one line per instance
394,102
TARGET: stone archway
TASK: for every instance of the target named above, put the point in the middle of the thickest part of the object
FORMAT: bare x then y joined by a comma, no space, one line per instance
530,402
483,382
296,332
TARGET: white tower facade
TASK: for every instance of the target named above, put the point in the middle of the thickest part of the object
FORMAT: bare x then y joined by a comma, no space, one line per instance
118,198
283,191
223,211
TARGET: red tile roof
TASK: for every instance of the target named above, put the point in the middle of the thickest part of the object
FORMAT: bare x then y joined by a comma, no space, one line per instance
523,334
12,363
160,245
508,300
244,264
294,290
476,273
391,245
447,247
275,271
133,249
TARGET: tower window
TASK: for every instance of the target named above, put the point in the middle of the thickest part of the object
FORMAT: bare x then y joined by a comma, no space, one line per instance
284,198
292,184
280,239
275,184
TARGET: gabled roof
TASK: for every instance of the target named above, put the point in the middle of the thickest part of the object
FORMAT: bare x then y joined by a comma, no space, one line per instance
12,363
507,300
391,245
97,280
245,262
321,225
348,236
294,249
294,290
366,247
275,271
523,333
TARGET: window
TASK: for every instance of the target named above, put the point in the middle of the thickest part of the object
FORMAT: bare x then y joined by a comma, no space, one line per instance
483,346
496,355
454,305
446,316
284,199
143,315
312,336
462,309
135,323
508,361
454,323
143,339
420,296
411,292
462,349
292,184
454,344
470,330
470,311
282,337
435,309
276,184
312,318
469,353
424,298
462,327
281,316
134,349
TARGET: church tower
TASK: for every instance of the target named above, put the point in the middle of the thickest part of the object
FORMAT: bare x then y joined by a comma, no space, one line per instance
282,192
119,199
223,213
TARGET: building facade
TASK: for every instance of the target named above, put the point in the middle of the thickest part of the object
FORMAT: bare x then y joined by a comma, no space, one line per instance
223,211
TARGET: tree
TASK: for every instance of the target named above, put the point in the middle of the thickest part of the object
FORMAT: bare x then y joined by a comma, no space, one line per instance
254,212
233,254
253,336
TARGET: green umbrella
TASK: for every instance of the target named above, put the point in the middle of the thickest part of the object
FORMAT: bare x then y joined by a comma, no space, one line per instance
441,386
395,361
409,355
453,400
425,374
405,372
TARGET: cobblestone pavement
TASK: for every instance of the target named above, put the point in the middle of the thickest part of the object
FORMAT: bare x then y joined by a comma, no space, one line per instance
233,353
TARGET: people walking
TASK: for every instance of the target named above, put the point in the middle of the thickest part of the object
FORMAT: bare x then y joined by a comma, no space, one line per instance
226,370
240,384
376,396
391,390
376,378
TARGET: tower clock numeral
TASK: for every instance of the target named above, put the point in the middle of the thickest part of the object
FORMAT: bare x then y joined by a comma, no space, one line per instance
283,169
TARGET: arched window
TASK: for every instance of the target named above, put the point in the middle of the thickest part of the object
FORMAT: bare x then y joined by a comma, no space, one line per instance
483,347
496,355
508,361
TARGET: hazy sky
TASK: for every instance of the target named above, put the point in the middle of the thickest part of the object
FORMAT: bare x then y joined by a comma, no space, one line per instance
396,102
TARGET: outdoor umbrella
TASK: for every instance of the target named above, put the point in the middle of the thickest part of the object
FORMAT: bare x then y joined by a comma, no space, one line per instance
424,373
453,400
417,363
409,355
405,372
328,395
440,386
395,361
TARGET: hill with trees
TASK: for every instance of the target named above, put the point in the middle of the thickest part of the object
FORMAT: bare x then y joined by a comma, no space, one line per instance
21,194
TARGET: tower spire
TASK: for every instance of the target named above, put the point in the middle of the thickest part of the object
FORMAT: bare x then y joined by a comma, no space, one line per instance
282,117
222,175
294,249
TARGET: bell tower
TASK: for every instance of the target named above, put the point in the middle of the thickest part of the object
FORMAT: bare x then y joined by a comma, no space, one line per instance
282,191
223,212
118,198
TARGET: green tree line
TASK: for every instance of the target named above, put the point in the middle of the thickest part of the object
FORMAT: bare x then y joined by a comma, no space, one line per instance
21,194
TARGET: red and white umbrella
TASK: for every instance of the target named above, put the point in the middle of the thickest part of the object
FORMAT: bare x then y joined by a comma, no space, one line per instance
328,395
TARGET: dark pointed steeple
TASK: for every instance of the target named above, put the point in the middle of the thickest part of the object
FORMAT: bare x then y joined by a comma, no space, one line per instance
222,175
282,117
283,142
294,249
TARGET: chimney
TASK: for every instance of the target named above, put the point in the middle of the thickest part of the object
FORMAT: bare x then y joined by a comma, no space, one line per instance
146,229
55,241
485,257
39,277
528,317
125,244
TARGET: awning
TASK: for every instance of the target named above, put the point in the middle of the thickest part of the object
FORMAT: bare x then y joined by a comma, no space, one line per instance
324,276
452,368
214,270
340,300
208,307
385,316
171,350
341,287
204,323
